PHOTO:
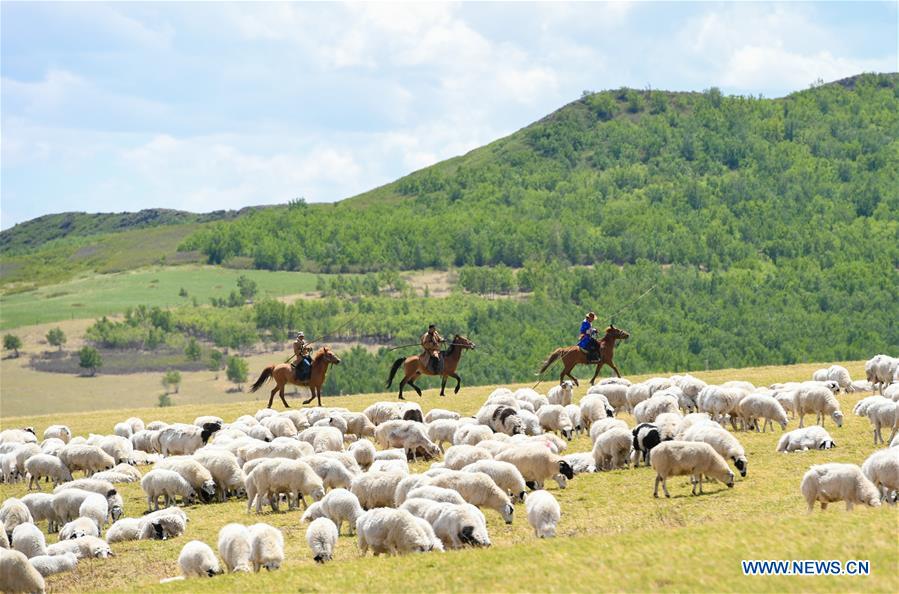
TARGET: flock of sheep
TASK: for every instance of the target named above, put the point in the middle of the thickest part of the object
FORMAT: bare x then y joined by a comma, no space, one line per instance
500,457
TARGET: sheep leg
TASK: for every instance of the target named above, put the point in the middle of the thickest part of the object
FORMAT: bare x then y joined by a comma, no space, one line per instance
665,487
849,505
655,490
802,420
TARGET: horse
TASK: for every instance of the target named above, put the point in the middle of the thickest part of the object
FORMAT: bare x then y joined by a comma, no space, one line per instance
283,374
573,355
413,367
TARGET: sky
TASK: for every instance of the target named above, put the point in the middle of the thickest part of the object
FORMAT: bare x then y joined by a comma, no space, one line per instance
206,106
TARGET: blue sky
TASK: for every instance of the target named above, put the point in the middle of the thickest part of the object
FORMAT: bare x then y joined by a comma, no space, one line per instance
203,106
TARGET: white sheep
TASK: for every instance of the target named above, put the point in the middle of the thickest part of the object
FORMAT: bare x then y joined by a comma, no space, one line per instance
198,560
332,472
593,407
721,401
879,370
811,398
85,457
85,547
459,456
668,424
340,506
553,417
696,459
321,536
434,493
288,448
123,530
455,524
18,436
168,484
389,466
46,466
530,396
469,434
234,547
18,574
543,513
79,527
123,430
14,512
60,432
376,489
293,477
48,565
96,508
500,418
41,507
410,435
832,482
757,406
661,402
280,426
391,531
146,441
441,431
28,540
266,547
506,476
477,489
530,423
193,472
185,439
615,394
101,487
224,470
363,451
162,524
580,462
602,425
52,446
411,482
882,469
884,414
561,394
814,437
722,441
612,449
440,413
537,464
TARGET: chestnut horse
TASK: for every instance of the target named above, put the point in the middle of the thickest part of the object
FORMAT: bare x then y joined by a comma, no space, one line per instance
573,355
283,375
413,367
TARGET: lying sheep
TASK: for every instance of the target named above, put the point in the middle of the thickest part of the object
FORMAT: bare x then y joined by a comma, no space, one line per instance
18,574
234,547
321,536
168,484
500,418
506,476
553,417
166,523
87,458
580,462
882,469
819,400
85,547
537,464
266,547
124,530
696,459
293,477
832,482
561,394
543,513
45,466
612,449
477,489
722,441
198,560
48,565
79,527
28,540
757,406
391,531
380,412
376,490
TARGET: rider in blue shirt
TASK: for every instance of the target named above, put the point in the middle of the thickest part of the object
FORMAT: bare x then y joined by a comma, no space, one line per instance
586,336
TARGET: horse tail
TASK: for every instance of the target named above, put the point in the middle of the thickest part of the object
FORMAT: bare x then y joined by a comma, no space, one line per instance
552,359
396,365
266,375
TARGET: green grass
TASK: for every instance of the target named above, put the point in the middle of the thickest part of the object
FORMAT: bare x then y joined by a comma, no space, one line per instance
106,294
613,535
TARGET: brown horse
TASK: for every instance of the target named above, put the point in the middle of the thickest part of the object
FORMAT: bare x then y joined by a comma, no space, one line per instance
413,367
573,355
283,375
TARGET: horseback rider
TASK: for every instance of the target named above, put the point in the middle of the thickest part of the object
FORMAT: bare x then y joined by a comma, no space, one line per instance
587,340
430,342
303,365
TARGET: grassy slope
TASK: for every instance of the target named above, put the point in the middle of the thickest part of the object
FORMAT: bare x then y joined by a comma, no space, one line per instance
106,294
613,534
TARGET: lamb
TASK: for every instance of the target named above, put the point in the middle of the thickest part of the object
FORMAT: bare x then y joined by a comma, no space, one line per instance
79,527
18,574
537,464
198,560
60,432
321,536
261,433
455,524
722,441
123,530
459,456
85,547
376,490
193,472
363,451
612,449
543,513
391,531
13,513
168,484
46,466
882,469
478,489
84,457
441,431
224,470
506,476
884,414
266,547
647,410
41,507
48,565
234,547
28,540
833,481
807,438
439,413
819,400
615,394
561,394
409,435
135,423
500,418
646,437
757,406
553,417
293,477
676,458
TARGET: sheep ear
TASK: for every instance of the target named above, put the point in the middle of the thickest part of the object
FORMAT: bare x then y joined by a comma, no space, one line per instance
110,493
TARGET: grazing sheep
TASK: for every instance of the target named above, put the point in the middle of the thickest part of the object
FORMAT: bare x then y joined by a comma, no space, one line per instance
807,438
646,437
28,540
340,506
884,414
668,424
123,430
536,464
376,490
46,466
96,508
114,477
193,472
358,424
321,536
146,441
411,482
434,493
721,401
198,560
60,432
266,547
279,426
456,524
79,527
471,434
234,547
88,458
553,417
543,513
882,469
530,424
602,425
506,476
52,446
612,449
459,456
380,412
722,441
561,394
615,394
13,513
293,477
637,393
677,458
168,484
18,574
123,530
391,531
441,431
409,435
85,547
41,507
757,406
332,472
18,436
288,448
101,487
363,451
477,489
224,470
48,565
440,413
832,482
819,400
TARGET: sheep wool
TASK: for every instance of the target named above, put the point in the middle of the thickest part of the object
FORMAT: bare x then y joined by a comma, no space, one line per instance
828,483
198,560
266,547
17,574
48,565
234,547
321,536
543,513
676,458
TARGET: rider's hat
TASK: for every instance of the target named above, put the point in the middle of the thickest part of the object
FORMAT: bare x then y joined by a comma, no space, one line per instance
432,327
300,335
591,314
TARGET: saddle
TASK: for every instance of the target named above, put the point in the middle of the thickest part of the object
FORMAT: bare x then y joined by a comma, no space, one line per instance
302,370
594,352
435,364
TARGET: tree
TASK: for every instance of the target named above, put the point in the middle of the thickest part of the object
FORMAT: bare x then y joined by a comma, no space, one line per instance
192,350
11,342
216,358
237,371
171,379
165,400
56,337
89,358
247,287
182,292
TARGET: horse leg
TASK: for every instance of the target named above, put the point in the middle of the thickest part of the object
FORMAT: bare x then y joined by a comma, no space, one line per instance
596,374
403,383
281,394
443,385
417,389
271,397
311,396
567,371
615,367
458,382
318,394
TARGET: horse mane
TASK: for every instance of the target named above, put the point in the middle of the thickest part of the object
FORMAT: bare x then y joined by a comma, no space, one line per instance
319,354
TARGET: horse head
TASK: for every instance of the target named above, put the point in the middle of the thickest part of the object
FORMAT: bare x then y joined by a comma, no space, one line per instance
462,342
327,355
616,333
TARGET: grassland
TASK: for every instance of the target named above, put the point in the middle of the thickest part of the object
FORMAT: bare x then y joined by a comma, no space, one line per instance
105,294
613,534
